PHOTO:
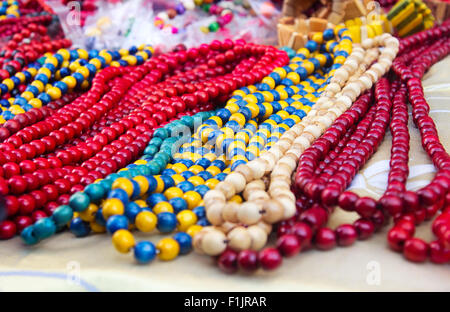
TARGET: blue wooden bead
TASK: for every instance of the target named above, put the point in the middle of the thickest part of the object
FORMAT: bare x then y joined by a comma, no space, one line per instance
185,242
144,252
116,222
79,228
167,222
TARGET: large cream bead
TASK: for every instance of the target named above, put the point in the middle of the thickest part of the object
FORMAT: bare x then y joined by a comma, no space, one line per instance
366,82
367,43
272,211
288,206
214,213
229,212
333,88
227,188
309,136
197,239
252,187
283,144
276,152
296,150
289,135
288,161
227,226
314,130
249,213
237,180
302,141
281,170
266,227
258,237
337,111
213,243
352,64
258,167
258,196
239,239
271,160
278,183
341,74
325,120
213,196
246,172
372,74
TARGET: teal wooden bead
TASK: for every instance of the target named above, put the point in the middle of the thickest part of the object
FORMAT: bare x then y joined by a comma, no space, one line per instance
79,201
62,215
106,184
28,236
44,228
95,191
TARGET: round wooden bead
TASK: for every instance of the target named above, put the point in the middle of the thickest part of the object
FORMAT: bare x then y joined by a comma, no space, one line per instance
214,213
237,180
249,213
258,237
239,239
227,188
229,212
213,243
272,211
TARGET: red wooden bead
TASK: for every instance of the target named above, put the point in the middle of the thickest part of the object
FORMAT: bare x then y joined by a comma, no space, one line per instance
325,239
397,238
7,229
248,260
346,234
270,258
288,245
416,250
227,261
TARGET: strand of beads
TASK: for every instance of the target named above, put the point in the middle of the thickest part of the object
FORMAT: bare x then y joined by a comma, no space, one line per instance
178,188
323,190
63,72
280,188
223,78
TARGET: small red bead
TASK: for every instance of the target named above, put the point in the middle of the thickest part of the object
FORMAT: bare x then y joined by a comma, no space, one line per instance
288,245
270,258
7,229
248,260
416,250
227,261
397,238
325,239
346,234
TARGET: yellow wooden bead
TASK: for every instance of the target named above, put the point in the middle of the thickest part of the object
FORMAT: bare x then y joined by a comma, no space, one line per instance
146,221
141,203
143,184
186,218
123,240
83,54
70,81
177,178
54,92
97,228
88,215
83,71
194,229
124,184
173,192
38,84
159,185
9,83
112,206
168,249
211,183
192,198
236,199
196,180
162,207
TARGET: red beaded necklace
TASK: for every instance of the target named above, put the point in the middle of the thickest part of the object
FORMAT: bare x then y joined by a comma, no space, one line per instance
110,125
329,165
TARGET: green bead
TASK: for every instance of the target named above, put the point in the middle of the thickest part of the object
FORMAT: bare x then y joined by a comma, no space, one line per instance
156,141
143,170
206,7
106,184
188,121
95,191
79,201
213,27
44,228
28,236
153,167
160,133
151,149
62,215
125,174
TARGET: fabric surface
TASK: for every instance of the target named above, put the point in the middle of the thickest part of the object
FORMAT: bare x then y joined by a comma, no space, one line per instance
65,263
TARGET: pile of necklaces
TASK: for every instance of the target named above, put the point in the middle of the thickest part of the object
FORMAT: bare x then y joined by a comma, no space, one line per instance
217,146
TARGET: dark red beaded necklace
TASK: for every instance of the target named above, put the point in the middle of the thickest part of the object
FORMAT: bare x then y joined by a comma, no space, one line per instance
110,125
